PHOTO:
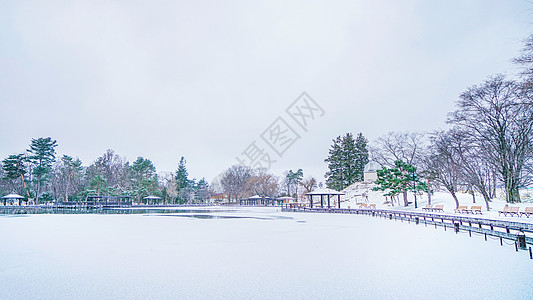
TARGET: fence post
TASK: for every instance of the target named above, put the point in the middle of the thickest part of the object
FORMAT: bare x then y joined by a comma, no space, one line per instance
521,240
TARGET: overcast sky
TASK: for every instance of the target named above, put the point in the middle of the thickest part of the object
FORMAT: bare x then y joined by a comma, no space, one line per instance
205,79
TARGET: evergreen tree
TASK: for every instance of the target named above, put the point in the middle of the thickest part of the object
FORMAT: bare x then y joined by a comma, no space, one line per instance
202,190
42,155
361,156
346,161
14,169
144,177
400,179
182,181
335,175
292,179
98,186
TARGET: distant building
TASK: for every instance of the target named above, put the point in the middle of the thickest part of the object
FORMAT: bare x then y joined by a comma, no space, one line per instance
370,172
219,198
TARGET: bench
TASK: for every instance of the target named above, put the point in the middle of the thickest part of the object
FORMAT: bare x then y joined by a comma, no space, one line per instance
372,206
509,210
438,207
428,207
476,210
462,209
363,205
527,212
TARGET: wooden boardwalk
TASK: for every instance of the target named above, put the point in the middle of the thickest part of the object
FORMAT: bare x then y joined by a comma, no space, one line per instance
87,207
502,229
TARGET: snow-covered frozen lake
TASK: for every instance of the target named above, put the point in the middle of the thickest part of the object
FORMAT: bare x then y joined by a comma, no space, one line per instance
259,253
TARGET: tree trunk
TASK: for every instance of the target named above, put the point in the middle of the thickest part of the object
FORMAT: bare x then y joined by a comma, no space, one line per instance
511,183
487,199
512,193
66,189
25,188
493,189
429,193
406,203
455,198
38,191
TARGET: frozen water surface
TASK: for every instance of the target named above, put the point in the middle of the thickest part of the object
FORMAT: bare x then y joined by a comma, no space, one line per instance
251,253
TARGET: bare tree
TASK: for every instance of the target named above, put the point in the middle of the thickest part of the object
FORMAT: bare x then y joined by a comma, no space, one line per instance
309,184
234,181
526,59
262,183
444,163
395,146
477,170
168,185
67,175
111,167
498,116
472,160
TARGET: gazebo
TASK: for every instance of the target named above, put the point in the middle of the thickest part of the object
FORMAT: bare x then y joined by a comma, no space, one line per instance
151,198
325,192
286,199
259,200
95,200
12,198
289,201
254,200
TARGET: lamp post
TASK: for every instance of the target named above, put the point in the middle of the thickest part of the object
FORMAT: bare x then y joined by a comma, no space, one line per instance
414,185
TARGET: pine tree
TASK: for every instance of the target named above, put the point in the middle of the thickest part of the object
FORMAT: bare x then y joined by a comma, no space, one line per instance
98,186
346,161
335,177
202,190
182,180
292,179
399,180
42,155
14,169
361,156
144,176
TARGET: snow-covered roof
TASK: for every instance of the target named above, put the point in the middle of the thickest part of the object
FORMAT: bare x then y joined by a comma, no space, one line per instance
371,167
286,198
152,198
325,191
255,197
13,196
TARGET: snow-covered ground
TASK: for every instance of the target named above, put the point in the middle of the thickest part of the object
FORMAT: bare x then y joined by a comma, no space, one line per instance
362,193
260,253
